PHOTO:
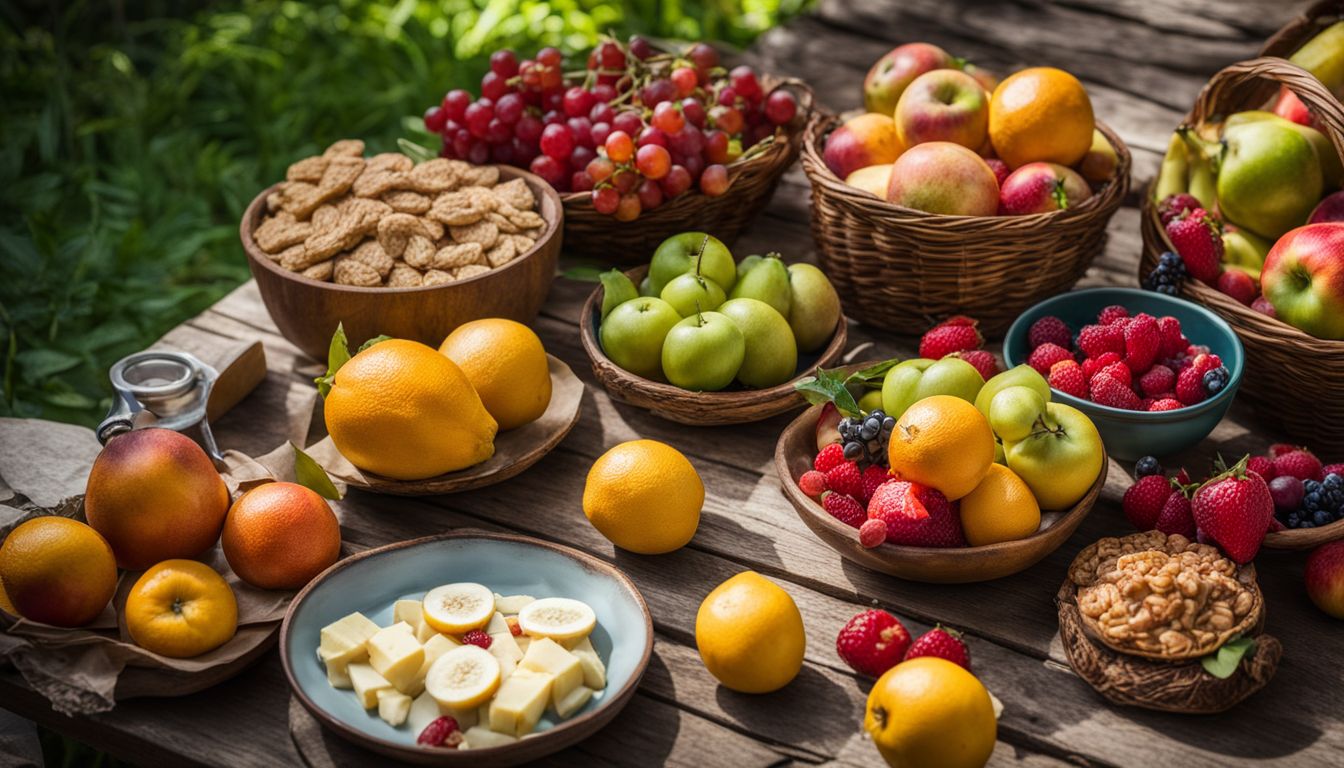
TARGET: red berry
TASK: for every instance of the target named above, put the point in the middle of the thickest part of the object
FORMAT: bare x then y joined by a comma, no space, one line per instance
872,477
515,628
1333,469
1176,517
942,340
1264,467
1166,404
1176,205
478,638
916,515
1234,509
1158,380
1049,330
829,458
872,641
1120,372
780,107
1143,341
1198,238
943,643
1097,340
982,360
1300,463
1143,501
441,732
1045,356
1094,365
1067,377
1110,314
872,533
1190,386
846,478
843,508
1110,391
1173,341
813,483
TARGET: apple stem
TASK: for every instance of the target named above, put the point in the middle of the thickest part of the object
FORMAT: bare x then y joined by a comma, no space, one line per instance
1041,428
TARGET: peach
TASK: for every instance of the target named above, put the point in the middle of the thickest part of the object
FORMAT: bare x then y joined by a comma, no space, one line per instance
1100,162
942,177
1324,577
943,105
868,139
889,75
1041,188
872,179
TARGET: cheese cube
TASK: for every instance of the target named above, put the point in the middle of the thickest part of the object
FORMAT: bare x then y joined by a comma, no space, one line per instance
393,707
480,737
424,710
520,701
594,673
367,683
343,641
395,654
503,645
573,702
425,632
546,655
338,676
523,641
410,611
511,605
497,624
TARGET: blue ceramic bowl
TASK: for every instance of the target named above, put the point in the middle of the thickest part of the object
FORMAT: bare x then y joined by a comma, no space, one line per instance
371,581
1130,435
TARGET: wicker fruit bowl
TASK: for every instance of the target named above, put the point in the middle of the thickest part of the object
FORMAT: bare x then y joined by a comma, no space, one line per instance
1302,28
896,267
1292,378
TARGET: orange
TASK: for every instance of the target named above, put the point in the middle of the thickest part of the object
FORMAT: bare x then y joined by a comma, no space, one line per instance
280,535
750,634
155,495
644,496
181,608
1040,114
942,442
505,362
1001,508
5,604
57,571
930,712
402,410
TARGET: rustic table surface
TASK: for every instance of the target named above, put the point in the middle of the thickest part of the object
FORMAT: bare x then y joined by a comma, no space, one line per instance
1143,62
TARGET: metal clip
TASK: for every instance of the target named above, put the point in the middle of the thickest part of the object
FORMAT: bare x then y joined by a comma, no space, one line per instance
161,388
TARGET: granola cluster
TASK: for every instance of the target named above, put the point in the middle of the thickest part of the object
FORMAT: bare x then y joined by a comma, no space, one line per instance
386,221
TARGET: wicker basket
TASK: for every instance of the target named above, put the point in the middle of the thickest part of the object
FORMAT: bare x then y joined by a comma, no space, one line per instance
752,180
897,268
1302,28
1293,379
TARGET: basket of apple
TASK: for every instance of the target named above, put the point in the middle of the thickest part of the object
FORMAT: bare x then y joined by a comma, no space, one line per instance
641,142
700,338
1246,217
953,192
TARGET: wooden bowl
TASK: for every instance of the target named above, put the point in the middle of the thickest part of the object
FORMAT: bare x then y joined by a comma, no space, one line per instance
701,409
307,311
1304,538
794,452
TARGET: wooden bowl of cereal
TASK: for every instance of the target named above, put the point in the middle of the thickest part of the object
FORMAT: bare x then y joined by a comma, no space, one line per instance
387,246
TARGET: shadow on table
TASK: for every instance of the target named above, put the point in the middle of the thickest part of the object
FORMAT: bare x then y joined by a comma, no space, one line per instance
791,715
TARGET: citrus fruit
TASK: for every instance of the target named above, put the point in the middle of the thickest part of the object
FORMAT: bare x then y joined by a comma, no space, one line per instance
181,608
5,604
929,712
505,362
402,410
457,608
644,496
155,495
57,571
1040,114
1001,508
942,442
558,618
750,634
280,535
463,678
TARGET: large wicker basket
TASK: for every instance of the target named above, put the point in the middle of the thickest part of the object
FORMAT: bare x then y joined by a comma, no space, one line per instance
752,180
1303,27
897,268
1294,380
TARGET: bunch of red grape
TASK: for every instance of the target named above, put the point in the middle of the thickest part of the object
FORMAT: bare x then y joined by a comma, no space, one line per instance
636,128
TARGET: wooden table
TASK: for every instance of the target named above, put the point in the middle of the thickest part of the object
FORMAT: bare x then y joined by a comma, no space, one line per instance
1143,62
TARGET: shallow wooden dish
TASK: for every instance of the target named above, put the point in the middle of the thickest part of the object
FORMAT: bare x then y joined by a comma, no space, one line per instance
793,456
1304,538
701,409
307,311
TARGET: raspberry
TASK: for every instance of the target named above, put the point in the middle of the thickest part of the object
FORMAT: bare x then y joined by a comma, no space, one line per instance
1190,386
1333,469
1173,341
982,360
1049,330
1262,466
872,477
1097,340
942,643
1120,372
1093,365
1175,205
872,533
1110,314
1143,341
1107,390
958,320
813,483
1301,464
872,642
478,638
1142,503
943,340
1177,516
1046,355
1157,380
845,478
843,508
829,458
1278,449
1067,377
1166,404
440,733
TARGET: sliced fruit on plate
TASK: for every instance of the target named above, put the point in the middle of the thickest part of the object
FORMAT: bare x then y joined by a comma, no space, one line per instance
465,677
558,618
393,707
480,737
459,608
521,701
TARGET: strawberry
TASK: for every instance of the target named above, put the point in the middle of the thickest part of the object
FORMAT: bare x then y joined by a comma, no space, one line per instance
982,360
958,320
1110,314
1166,404
1046,355
1199,240
1190,386
1173,340
813,483
872,477
1182,477
1143,341
1176,205
1158,380
1142,503
1120,372
1262,305
916,515
829,458
1300,463
1097,340
942,643
1333,469
1093,365
1233,508
1239,285
872,642
943,340
872,533
1049,330
845,478
478,638
1107,390
1278,449
1176,517
1263,466
843,508
1067,377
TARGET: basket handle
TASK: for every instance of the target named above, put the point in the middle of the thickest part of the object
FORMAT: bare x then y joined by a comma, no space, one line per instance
1296,32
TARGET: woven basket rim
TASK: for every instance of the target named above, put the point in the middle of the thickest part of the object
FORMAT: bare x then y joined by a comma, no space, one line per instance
1290,36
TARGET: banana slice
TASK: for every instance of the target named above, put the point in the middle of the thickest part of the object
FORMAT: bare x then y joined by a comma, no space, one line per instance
462,678
457,608
558,618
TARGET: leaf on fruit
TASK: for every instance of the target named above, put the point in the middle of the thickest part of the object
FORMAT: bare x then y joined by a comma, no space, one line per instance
338,354
584,273
375,340
828,387
1223,663
872,373
312,476
416,152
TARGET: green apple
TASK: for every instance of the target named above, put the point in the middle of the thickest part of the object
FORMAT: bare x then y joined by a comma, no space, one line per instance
1244,249
913,380
1269,177
814,308
703,352
767,281
682,253
871,401
1060,459
646,287
1014,411
744,266
1021,376
691,293
632,335
772,355
616,290
999,456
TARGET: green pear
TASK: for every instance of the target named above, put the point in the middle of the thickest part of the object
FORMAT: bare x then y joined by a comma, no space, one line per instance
814,309
1061,458
1243,248
691,293
1013,411
703,352
1269,178
678,255
1021,376
772,354
617,289
646,287
1332,168
632,335
767,281
744,266
913,380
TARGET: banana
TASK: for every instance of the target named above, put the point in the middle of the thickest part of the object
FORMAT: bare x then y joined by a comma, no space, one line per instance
1323,56
1171,178
1203,177
616,289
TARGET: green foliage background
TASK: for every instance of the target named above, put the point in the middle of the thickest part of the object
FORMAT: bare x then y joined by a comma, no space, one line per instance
135,133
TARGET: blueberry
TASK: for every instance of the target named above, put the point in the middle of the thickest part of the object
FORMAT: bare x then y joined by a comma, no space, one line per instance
1322,517
1148,465
1306,524
1311,485
853,451
1334,482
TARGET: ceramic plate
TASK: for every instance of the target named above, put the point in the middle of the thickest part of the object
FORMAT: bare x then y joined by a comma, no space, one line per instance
370,582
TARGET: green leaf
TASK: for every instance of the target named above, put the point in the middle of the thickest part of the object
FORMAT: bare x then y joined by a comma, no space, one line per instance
312,476
416,152
39,364
1223,663
585,273
872,373
828,387
338,354
375,340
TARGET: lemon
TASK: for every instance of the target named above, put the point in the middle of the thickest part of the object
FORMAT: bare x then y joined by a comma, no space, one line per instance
1001,508
505,362
463,678
558,618
750,634
456,608
931,713
644,496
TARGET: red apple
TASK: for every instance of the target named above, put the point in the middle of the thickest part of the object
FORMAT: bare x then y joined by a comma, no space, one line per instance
1262,305
1238,283
889,75
1000,169
828,426
1324,578
943,105
987,80
862,141
1042,188
942,177
1289,107
1331,208
1303,278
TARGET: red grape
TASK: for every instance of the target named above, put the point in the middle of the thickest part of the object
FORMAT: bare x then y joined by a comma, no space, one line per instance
651,135
493,86
689,141
528,129
650,195
502,153
504,63
552,79
530,73
603,92
653,161
478,117
582,130
550,169
727,96
628,209
581,157
509,108
744,81
461,143
523,152
552,117
550,57
556,141
694,165
627,121
580,182
450,128
727,119
641,48
667,118
599,133
600,168
685,79
714,181
447,149
693,111
605,200
716,146
602,113
658,91
479,154
553,101
781,106
497,132
435,118
625,180
704,57
610,56
578,102
619,146
455,103
677,181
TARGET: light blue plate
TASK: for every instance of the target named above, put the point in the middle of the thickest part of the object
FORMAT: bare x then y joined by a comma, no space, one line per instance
370,582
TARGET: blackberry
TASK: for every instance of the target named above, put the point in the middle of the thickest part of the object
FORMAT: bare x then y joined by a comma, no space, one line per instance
1148,465
1216,380
1333,482
1166,277
866,438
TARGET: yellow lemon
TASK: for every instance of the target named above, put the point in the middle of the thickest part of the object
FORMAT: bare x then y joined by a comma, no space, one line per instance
931,713
505,362
942,442
181,608
1001,508
750,634
644,496
404,411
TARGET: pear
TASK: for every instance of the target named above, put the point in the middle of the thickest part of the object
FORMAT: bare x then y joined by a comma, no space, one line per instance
814,309
1332,168
744,266
1269,177
767,281
771,354
617,289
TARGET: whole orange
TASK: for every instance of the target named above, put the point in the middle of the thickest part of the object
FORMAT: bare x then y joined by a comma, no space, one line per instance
1040,114
181,608
57,571
155,495
506,364
280,535
943,442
